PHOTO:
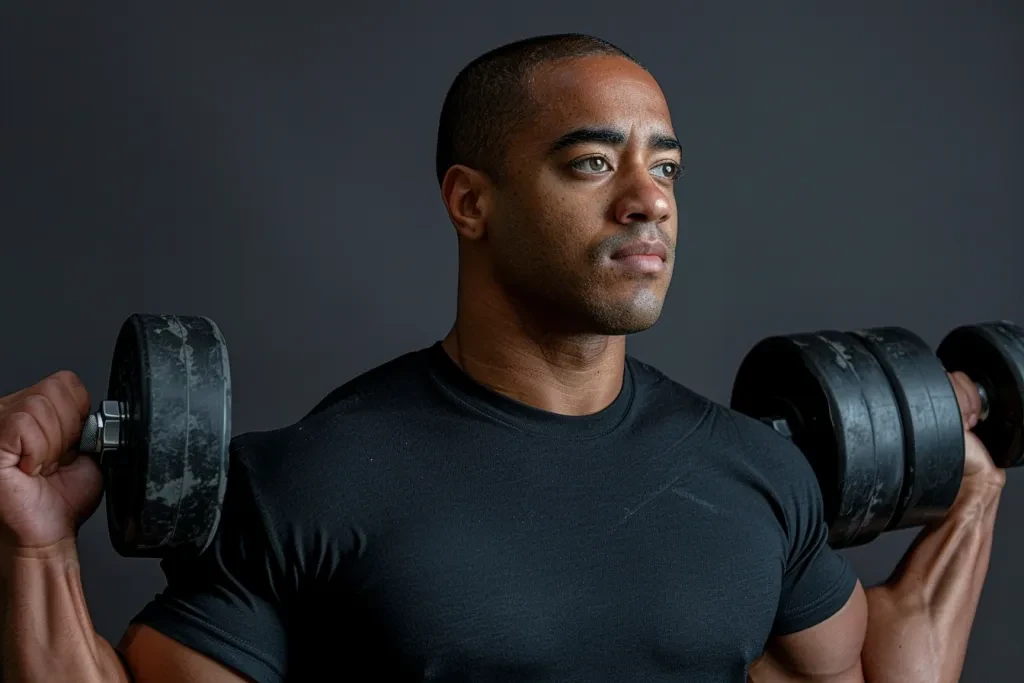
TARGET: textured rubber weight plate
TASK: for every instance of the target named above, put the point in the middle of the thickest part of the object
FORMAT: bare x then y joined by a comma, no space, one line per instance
932,428
165,484
992,354
836,401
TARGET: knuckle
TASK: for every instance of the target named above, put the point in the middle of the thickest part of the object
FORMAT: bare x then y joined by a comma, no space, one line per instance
20,423
38,419
73,390
39,405
52,387
20,432
69,380
68,377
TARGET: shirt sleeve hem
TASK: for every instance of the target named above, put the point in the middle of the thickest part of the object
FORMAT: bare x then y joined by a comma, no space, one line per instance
210,641
817,611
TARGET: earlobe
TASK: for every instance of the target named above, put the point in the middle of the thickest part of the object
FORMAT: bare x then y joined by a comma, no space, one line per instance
465,194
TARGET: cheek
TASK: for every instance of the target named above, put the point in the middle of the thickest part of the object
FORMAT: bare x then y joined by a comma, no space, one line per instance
566,226
546,227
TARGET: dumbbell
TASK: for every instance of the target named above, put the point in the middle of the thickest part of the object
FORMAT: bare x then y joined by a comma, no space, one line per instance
162,433
876,415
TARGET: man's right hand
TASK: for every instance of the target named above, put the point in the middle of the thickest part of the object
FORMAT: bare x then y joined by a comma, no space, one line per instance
46,490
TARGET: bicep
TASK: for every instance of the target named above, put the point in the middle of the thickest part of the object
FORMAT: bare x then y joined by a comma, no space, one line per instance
828,652
154,657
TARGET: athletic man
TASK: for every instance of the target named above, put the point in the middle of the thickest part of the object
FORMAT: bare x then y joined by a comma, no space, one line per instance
521,501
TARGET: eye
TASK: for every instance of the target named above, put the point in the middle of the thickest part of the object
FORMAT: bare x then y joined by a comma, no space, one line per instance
591,165
670,170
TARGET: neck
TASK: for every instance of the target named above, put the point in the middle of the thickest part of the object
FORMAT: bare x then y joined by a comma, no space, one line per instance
509,349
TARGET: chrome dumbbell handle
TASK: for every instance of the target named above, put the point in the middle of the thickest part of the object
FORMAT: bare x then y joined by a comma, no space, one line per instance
985,405
102,430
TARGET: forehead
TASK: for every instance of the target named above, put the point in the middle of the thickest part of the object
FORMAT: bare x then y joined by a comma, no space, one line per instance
598,90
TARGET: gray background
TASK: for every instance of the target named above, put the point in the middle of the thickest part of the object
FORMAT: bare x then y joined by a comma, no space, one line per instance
848,166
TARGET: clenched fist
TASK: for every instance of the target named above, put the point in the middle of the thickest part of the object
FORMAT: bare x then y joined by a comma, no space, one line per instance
979,469
46,490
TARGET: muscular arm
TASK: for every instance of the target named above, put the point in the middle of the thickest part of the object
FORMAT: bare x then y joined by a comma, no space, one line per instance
920,621
155,658
827,653
48,633
914,627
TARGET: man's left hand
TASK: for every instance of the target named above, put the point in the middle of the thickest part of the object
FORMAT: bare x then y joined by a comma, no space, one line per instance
979,470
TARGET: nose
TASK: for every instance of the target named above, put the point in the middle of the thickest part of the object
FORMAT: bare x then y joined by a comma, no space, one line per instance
643,200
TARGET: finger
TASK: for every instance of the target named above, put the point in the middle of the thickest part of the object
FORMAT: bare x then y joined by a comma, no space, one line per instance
53,401
967,397
22,436
44,412
71,401
968,405
11,399
80,396
78,392
974,395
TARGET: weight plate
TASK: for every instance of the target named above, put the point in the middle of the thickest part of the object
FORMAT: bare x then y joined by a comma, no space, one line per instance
165,484
837,403
932,427
992,354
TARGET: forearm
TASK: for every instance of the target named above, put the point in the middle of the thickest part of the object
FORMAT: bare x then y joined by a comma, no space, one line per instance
920,620
48,633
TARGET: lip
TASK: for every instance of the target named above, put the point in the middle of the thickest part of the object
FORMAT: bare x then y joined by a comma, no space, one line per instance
641,248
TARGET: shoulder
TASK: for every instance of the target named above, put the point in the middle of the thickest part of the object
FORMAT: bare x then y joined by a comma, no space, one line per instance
748,447
341,417
406,376
294,469
662,395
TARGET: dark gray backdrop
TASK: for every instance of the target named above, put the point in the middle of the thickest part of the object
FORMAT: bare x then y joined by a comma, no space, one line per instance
847,166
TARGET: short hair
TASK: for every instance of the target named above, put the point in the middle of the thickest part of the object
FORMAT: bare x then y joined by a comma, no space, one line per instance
491,96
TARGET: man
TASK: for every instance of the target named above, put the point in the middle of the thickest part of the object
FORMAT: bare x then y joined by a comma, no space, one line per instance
521,501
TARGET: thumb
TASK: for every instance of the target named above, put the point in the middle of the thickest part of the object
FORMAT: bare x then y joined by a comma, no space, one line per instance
967,397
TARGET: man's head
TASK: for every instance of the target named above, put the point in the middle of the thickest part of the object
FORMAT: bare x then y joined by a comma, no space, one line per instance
556,159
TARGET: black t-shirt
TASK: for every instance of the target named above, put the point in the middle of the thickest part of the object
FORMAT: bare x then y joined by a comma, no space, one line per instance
417,526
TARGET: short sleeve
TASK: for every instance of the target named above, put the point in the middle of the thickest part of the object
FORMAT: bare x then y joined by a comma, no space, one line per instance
818,581
227,603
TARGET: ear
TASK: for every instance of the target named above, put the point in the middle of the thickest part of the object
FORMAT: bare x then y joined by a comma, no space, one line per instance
467,193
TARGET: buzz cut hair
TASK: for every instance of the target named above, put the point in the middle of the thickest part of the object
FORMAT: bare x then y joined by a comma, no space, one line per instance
491,97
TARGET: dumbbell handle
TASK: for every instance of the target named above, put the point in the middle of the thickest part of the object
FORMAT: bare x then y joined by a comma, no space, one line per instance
985,404
102,432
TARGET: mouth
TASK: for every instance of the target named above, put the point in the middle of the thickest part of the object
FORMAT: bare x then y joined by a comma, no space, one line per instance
642,254
642,249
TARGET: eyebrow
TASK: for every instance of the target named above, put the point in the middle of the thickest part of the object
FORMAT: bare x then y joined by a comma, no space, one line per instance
610,136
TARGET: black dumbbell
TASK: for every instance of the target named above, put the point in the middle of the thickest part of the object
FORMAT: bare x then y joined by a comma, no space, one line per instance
993,356
876,415
161,436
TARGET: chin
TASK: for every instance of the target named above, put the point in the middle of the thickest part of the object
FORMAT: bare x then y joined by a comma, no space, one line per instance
628,318
624,328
